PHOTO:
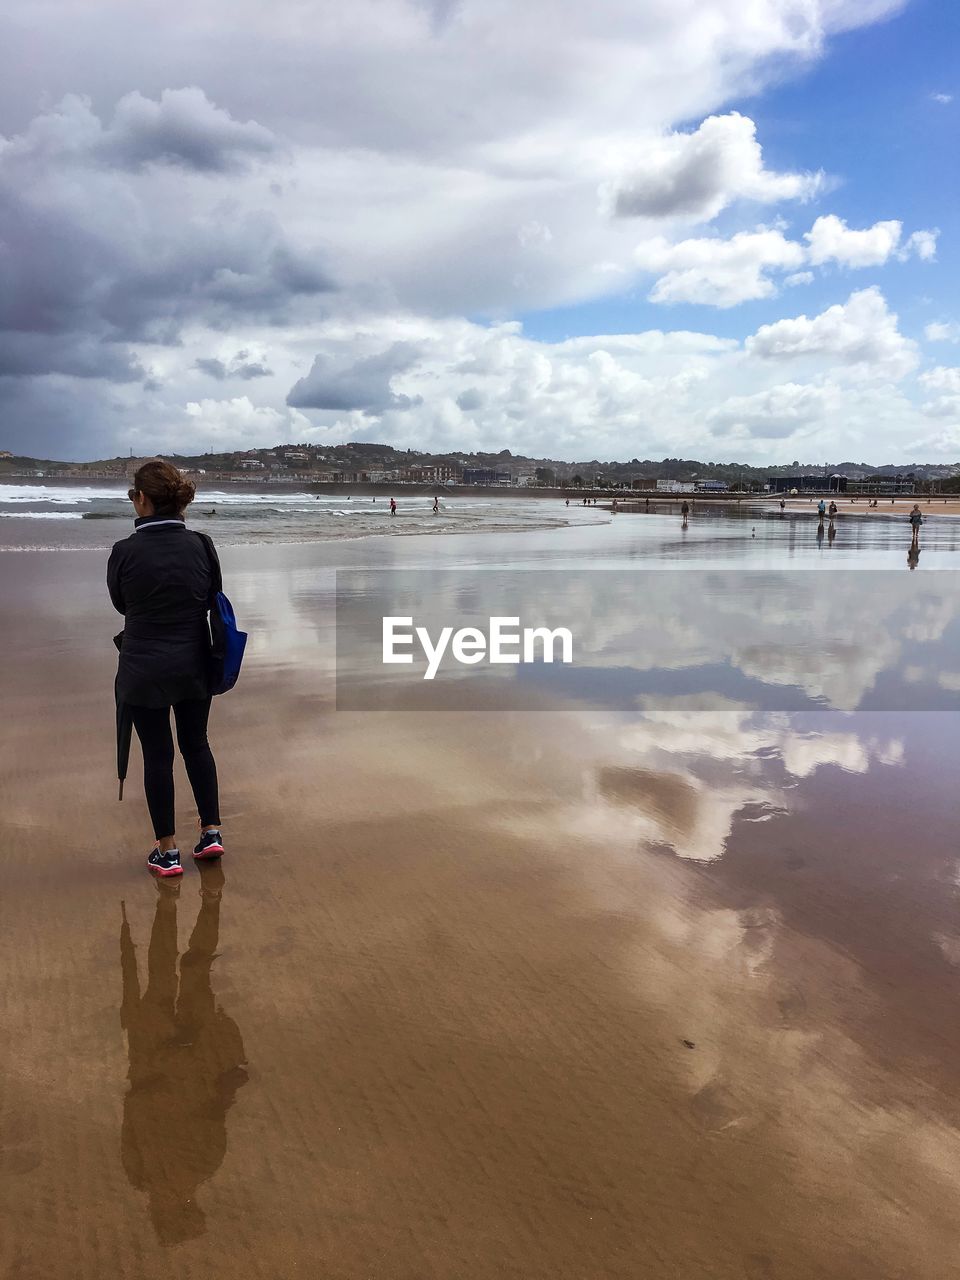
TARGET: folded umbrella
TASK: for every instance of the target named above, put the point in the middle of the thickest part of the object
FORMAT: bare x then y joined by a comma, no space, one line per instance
124,729
124,734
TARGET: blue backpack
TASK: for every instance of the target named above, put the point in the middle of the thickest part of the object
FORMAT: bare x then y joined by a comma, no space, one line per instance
227,642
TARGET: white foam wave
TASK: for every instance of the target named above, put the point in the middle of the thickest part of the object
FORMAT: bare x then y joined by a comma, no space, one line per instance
41,515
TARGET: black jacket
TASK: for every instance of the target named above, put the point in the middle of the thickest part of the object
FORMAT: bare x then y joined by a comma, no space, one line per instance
160,579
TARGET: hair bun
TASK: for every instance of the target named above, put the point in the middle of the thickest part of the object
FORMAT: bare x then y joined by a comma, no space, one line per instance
165,486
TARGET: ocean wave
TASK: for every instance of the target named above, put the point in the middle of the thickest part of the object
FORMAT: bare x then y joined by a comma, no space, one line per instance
41,515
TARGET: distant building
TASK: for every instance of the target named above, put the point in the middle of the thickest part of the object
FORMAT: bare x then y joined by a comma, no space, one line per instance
711,486
676,486
250,464
485,475
888,485
807,484
438,473
132,465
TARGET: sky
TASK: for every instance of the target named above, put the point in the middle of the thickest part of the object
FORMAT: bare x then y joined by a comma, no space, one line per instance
718,229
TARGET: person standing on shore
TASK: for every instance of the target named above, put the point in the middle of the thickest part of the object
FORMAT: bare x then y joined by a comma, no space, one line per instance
393,506
684,512
916,520
162,579
436,506
821,509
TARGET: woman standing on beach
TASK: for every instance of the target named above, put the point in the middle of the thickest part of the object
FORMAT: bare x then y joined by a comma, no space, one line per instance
161,579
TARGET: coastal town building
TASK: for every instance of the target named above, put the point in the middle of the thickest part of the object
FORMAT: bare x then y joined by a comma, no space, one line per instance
835,483
485,476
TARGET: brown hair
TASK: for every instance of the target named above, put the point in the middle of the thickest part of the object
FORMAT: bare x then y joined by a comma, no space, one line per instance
165,486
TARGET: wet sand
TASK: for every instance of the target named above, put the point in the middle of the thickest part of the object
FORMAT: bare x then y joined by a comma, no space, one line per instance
899,507
479,995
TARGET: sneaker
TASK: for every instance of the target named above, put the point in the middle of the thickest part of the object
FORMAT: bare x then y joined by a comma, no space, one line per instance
210,846
165,864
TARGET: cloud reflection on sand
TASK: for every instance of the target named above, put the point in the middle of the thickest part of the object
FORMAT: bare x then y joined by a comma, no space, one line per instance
677,778
779,641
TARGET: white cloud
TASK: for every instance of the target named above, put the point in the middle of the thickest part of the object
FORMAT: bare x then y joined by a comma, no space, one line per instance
942,331
696,175
715,271
946,382
776,413
861,334
941,379
831,240
921,243
723,272
235,423
943,98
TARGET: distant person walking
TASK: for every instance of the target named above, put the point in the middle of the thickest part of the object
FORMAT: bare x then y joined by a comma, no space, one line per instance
783,506
821,509
684,512
436,506
162,579
393,506
916,520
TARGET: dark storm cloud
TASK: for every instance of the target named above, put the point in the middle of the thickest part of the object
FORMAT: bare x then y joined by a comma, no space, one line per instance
470,399
25,355
239,367
213,272
688,188
89,251
253,369
182,128
336,382
61,417
82,270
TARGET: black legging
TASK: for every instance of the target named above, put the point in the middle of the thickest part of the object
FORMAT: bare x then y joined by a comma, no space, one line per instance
153,729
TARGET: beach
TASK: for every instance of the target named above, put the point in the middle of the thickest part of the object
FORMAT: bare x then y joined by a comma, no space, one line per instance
643,988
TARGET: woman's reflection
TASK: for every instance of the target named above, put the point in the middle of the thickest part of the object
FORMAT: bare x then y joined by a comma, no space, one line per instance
186,1063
